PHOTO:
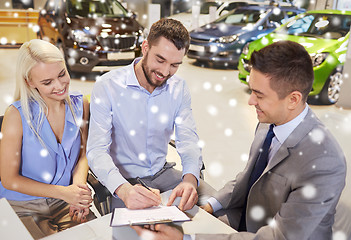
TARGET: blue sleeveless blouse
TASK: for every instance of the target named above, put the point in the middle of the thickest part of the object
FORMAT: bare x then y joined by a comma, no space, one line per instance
54,163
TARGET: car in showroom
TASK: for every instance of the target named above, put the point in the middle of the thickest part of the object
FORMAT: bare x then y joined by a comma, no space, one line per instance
325,35
94,35
222,41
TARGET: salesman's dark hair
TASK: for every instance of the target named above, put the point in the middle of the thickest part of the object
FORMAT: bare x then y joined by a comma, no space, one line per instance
172,30
288,65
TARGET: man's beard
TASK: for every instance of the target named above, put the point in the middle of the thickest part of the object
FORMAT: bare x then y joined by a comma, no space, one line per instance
146,71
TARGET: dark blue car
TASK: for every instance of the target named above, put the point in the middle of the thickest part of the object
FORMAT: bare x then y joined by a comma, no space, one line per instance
223,40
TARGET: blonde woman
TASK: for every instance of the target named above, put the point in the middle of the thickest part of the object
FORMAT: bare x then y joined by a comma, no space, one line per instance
43,167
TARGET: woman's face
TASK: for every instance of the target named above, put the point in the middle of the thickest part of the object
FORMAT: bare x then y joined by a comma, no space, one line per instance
51,80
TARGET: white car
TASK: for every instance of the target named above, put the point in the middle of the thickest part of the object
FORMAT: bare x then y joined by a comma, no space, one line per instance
192,20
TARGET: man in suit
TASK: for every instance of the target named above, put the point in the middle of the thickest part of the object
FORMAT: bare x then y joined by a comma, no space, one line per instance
295,194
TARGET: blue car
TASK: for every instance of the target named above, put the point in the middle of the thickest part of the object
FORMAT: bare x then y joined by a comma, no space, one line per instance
223,40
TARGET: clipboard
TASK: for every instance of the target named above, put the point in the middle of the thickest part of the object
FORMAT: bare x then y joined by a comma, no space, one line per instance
147,216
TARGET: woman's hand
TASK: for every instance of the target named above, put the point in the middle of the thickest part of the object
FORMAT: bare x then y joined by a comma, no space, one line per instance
78,195
78,214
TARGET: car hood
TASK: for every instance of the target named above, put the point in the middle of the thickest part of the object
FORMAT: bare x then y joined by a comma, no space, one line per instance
217,30
112,26
313,45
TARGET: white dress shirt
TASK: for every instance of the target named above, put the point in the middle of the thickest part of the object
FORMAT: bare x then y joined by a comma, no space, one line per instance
130,128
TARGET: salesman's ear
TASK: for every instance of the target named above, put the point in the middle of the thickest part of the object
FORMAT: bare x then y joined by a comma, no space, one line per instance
294,99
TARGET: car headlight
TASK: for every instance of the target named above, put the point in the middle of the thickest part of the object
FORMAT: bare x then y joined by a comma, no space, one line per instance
227,39
82,37
318,58
246,49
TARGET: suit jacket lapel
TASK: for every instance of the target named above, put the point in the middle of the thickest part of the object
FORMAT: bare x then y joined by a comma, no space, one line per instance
295,137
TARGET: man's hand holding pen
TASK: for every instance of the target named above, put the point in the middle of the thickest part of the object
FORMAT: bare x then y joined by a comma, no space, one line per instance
138,196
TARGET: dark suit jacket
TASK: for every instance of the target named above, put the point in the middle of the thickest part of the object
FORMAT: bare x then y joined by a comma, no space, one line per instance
298,191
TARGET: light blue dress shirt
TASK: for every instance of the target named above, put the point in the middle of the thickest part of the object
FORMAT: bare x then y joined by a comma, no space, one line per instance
130,128
282,132
54,163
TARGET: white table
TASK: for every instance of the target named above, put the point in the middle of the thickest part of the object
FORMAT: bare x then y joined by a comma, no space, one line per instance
11,227
100,228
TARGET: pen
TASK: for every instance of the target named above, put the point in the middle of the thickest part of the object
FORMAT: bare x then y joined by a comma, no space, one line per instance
142,183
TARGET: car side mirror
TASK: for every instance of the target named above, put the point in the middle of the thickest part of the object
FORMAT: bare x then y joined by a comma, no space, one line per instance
132,15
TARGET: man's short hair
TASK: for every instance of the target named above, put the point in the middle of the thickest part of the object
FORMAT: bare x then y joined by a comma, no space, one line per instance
289,66
172,30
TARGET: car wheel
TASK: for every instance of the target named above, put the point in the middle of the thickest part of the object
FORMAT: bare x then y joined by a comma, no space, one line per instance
331,90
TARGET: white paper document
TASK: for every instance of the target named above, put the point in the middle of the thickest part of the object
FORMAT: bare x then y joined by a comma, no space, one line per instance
153,215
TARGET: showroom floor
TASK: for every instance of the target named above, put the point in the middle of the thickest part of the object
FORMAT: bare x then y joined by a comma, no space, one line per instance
225,121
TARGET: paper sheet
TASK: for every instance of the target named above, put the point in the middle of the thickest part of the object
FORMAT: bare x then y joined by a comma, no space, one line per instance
153,215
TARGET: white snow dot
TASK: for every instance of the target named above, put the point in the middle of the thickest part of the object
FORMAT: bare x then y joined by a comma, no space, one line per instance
309,191
233,102
178,120
97,100
14,185
135,96
0,135
300,153
44,152
163,118
83,78
98,78
317,135
8,99
71,61
339,235
276,11
132,132
142,156
154,109
264,41
207,85
35,28
257,213
244,157
79,122
46,176
212,110
201,143
147,235
228,132
272,223
215,169
218,88
4,223
313,166
3,40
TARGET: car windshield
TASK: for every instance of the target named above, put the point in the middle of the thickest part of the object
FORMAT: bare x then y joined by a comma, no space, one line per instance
241,17
331,26
96,8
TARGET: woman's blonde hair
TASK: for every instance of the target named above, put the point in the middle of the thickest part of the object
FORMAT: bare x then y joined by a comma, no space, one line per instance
30,54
